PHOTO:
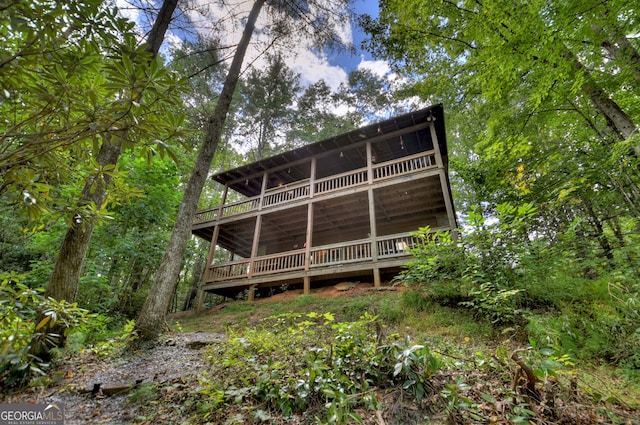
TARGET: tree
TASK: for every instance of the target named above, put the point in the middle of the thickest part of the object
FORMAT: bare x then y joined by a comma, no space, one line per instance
267,108
151,319
543,104
75,79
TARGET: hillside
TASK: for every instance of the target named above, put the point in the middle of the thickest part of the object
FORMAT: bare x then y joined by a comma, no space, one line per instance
358,356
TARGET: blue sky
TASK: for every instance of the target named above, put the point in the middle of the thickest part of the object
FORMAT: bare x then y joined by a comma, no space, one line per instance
332,67
348,61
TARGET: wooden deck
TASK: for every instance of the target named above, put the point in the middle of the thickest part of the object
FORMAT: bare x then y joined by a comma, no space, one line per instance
360,255
301,191
343,207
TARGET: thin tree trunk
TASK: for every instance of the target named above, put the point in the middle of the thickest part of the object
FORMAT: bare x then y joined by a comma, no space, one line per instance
152,316
196,278
65,279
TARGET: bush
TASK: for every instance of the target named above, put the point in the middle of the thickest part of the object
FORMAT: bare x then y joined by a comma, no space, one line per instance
310,364
19,306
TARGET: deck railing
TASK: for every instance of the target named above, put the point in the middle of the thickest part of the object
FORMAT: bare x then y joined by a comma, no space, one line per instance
395,245
240,207
301,190
348,252
231,270
389,246
278,263
287,193
206,215
341,181
404,165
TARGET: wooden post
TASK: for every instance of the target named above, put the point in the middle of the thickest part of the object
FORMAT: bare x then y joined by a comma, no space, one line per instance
222,201
251,296
376,277
254,246
265,179
373,234
369,163
307,285
447,202
205,276
312,178
443,179
436,144
309,237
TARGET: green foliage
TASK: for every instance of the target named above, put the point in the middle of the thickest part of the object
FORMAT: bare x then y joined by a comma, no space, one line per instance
604,328
495,304
437,267
482,271
72,80
144,393
294,362
415,367
19,306
116,345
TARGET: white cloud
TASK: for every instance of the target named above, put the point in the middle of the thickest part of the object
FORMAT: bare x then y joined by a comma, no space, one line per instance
313,68
312,65
226,19
379,67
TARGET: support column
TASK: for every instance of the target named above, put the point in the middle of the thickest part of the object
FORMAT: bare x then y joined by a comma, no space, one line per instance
254,246
373,234
256,238
265,179
205,276
251,296
307,285
223,200
376,277
447,202
436,144
446,191
309,235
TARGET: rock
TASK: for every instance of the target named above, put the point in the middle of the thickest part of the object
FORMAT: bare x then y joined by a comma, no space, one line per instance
345,286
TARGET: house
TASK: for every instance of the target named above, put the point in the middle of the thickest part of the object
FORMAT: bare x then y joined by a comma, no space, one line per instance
341,208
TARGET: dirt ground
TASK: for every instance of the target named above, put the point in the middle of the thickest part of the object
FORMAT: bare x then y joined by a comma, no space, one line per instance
175,360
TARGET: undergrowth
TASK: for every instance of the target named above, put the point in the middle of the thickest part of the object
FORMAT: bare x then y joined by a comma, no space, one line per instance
312,368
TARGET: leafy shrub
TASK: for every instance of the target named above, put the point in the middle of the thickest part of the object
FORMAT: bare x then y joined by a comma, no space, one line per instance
483,270
495,304
118,343
297,363
437,267
19,306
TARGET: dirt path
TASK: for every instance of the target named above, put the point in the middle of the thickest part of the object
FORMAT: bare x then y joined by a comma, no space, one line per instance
176,361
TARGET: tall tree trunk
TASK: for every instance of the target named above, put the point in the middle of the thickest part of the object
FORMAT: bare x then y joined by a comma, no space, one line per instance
65,279
625,54
618,120
152,316
63,284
